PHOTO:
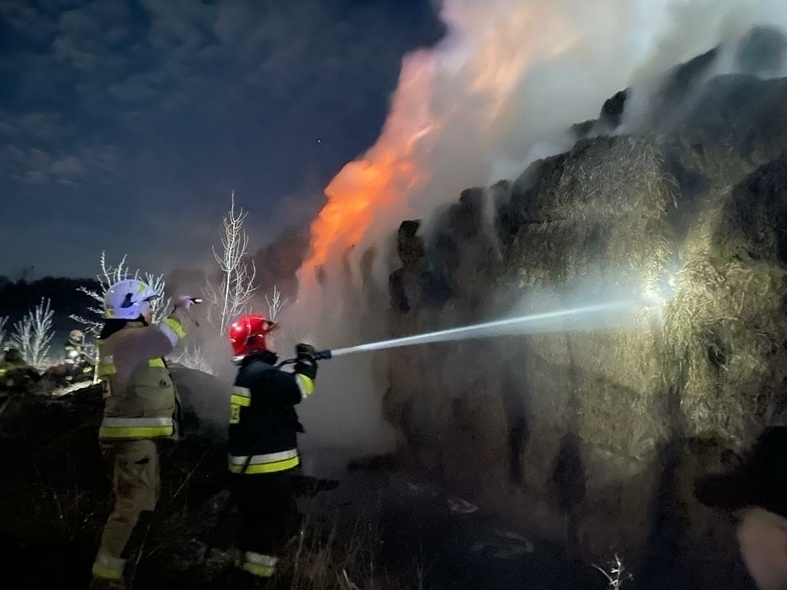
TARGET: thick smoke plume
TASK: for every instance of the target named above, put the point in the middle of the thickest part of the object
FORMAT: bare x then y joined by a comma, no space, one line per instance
499,91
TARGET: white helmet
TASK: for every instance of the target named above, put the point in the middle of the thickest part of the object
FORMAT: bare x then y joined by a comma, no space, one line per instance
125,299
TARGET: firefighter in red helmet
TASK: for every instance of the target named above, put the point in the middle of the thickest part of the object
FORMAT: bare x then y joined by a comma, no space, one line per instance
263,451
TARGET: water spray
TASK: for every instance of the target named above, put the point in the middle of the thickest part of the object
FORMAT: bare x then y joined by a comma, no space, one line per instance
532,323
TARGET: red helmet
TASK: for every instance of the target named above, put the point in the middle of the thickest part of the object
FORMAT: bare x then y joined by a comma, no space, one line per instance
248,334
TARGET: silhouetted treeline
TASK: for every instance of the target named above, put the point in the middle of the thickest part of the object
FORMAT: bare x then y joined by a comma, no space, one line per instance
17,298
276,264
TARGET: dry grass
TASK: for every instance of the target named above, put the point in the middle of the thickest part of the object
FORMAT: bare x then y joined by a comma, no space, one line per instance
319,560
56,496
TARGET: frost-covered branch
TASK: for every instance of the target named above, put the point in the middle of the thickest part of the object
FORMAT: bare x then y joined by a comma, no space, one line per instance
231,298
92,326
275,304
110,275
161,305
33,333
617,575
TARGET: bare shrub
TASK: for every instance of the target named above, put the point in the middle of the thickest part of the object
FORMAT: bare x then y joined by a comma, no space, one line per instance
617,574
275,304
33,334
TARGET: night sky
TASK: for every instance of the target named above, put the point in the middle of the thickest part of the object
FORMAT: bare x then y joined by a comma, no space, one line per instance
125,124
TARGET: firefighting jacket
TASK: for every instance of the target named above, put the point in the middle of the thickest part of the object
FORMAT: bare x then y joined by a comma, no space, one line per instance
76,360
75,355
139,396
263,422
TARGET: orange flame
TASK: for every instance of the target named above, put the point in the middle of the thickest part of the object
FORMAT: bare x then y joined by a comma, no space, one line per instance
387,173
485,62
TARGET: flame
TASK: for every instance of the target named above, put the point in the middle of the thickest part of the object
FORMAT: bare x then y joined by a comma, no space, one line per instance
483,60
388,172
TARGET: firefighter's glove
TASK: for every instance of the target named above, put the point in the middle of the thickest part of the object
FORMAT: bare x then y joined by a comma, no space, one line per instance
305,353
306,362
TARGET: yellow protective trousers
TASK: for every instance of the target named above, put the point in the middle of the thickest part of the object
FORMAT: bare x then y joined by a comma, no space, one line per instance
135,479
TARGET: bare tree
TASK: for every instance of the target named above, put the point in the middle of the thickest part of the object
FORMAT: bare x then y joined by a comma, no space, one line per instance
33,333
110,275
231,298
275,304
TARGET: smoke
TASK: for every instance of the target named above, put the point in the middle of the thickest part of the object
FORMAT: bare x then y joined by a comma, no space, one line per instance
499,91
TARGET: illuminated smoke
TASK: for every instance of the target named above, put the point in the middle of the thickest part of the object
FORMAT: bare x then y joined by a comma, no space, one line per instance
500,90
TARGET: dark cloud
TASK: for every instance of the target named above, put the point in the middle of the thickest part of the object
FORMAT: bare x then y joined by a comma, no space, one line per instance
128,106
44,126
27,21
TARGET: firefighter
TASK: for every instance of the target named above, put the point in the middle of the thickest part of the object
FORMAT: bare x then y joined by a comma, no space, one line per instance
78,363
140,408
263,450
756,492
15,373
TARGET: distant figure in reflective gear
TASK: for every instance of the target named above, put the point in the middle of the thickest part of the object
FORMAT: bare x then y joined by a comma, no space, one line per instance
140,407
757,492
78,363
263,449
15,374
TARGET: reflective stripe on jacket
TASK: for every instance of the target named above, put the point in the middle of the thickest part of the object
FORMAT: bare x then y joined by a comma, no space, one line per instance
258,564
140,398
270,463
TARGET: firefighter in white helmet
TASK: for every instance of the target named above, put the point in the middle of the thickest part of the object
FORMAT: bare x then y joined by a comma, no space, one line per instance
140,408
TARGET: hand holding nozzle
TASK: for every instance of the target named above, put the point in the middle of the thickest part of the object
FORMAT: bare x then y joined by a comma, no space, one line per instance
314,355
307,352
184,302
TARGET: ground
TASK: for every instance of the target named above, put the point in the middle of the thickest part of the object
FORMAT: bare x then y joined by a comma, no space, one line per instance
385,525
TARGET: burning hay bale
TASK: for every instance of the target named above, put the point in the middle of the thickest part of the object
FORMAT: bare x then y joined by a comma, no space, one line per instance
697,235
725,327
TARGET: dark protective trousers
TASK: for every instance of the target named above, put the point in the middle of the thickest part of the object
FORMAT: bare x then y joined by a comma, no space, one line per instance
268,511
